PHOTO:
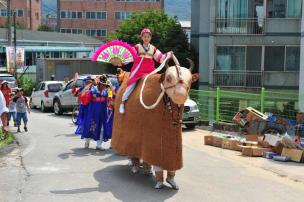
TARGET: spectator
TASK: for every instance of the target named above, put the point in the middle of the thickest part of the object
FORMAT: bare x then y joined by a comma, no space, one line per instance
6,90
12,110
66,80
53,77
21,106
3,114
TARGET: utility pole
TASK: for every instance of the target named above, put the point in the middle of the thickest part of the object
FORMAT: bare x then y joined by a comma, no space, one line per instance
9,24
15,45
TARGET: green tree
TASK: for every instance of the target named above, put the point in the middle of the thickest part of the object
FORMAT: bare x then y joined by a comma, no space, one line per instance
44,28
167,33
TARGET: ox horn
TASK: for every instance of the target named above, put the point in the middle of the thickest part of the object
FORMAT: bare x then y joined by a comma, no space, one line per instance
191,65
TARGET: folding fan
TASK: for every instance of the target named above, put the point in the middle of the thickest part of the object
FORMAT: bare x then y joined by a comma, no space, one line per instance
114,51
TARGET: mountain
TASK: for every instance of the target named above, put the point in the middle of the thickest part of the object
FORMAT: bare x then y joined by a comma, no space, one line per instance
179,8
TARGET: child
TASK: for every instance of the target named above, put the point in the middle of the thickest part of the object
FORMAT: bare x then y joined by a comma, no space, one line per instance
143,65
12,110
21,106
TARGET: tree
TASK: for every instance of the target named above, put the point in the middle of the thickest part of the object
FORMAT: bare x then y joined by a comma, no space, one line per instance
167,33
44,28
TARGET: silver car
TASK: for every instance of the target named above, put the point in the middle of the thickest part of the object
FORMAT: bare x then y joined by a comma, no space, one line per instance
191,116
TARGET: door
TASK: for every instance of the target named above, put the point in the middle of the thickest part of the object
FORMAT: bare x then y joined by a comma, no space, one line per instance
61,71
35,95
67,95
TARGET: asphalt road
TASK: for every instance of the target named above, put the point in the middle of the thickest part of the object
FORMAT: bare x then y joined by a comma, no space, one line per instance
52,165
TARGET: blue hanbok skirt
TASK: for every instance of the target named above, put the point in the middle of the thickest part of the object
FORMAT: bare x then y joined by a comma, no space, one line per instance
83,110
108,125
94,120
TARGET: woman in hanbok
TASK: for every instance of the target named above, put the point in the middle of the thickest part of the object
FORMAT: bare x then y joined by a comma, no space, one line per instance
143,64
94,123
83,94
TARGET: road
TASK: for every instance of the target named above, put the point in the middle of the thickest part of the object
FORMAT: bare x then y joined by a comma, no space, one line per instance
51,165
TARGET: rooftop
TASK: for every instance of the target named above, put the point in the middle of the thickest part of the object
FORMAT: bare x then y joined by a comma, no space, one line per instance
51,37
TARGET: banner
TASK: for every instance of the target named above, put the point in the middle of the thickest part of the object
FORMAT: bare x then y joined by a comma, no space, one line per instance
10,58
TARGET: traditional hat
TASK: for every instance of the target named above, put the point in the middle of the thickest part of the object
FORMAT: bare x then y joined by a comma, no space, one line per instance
145,30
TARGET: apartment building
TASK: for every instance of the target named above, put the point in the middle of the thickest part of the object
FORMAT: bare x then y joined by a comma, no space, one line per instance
98,18
28,13
248,43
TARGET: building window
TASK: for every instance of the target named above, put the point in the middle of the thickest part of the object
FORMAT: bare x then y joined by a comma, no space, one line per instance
63,15
96,33
253,58
122,15
292,59
96,15
230,58
274,58
3,12
37,16
232,9
79,15
284,8
19,13
74,14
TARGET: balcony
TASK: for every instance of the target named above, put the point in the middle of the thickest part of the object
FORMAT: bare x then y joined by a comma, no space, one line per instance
237,78
245,26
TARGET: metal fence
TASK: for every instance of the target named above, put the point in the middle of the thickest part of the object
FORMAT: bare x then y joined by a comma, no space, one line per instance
221,105
239,25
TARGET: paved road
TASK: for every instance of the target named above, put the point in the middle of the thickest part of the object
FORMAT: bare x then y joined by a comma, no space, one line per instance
51,165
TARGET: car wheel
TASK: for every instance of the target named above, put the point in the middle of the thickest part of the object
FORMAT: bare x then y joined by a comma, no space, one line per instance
42,108
190,126
57,108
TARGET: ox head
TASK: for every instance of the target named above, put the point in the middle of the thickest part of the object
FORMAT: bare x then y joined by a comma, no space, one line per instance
177,82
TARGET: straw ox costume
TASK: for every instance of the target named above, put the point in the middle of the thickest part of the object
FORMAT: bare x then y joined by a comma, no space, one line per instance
154,135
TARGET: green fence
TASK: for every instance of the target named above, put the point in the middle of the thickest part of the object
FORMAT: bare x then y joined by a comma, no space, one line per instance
222,105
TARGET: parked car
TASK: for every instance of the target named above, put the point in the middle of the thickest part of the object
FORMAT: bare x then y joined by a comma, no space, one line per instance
12,82
191,116
64,100
42,96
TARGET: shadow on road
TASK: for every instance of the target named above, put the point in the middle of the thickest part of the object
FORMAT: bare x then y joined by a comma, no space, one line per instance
82,152
124,185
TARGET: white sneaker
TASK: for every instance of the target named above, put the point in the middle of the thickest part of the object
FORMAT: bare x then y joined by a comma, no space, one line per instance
86,145
159,185
135,169
172,183
100,148
122,108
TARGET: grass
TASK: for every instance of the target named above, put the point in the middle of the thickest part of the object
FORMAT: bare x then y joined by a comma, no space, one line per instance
10,138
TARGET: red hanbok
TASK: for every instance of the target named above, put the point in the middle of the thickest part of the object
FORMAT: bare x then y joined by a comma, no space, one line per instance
144,63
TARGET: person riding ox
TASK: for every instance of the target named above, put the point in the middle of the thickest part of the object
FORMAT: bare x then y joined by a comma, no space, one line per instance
151,131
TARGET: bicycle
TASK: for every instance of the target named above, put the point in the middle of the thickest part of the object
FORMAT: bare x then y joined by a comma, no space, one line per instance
75,113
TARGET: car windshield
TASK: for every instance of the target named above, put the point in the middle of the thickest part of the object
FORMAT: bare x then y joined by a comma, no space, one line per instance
54,87
7,78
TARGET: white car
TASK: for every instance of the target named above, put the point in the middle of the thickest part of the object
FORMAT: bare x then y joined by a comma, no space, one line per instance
191,116
42,96
12,82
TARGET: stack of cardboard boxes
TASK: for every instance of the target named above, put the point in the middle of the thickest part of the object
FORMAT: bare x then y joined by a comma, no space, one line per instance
255,146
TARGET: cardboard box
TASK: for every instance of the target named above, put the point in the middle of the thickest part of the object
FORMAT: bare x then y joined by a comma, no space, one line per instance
231,144
246,150
295,154
208,140
252,138
259,152
217,142
254,151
